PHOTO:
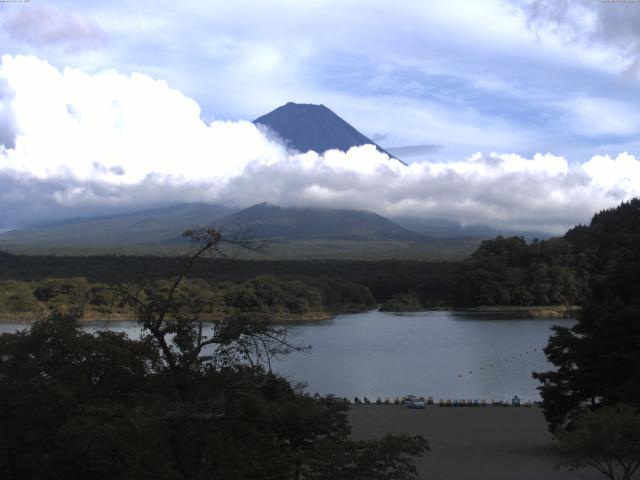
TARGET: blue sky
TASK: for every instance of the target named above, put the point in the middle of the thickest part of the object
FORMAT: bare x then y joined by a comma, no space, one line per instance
468,76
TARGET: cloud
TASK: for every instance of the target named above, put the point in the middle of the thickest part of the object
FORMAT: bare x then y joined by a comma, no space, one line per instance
7,121
410,151
104,142
47,25
467,75
114,120
505,190
611,26
600,116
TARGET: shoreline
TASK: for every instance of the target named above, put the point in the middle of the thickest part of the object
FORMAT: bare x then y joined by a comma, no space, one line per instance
116,318
533,311
524,312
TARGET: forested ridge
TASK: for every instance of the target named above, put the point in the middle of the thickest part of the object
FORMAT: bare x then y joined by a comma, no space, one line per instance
509,271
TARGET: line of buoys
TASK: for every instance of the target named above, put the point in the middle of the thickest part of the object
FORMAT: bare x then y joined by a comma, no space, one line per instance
500,362
407,400
412,401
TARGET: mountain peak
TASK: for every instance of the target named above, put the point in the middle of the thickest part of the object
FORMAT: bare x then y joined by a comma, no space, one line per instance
307,126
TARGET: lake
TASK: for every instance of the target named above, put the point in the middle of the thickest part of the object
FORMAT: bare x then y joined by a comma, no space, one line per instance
439,354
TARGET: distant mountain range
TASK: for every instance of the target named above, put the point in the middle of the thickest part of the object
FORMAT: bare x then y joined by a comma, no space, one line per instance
163,228
149,227
305,127
442,228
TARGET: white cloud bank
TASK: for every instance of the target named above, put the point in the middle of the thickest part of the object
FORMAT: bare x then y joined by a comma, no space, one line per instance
76,143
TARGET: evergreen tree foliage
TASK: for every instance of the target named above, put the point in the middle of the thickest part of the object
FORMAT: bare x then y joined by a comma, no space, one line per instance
597,361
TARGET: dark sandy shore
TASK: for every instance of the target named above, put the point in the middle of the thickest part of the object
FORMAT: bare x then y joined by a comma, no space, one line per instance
492,443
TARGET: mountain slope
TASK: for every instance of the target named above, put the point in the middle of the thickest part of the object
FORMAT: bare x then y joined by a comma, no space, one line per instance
307,127
153,227
270,221
442,228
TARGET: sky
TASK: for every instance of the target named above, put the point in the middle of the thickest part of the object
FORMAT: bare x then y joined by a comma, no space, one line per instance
520,114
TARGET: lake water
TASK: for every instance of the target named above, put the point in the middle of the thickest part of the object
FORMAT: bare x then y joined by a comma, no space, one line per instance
441,354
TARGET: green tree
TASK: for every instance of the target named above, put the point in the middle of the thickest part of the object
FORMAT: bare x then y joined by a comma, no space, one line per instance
598,359
187,401
402,302
18,299
51,377
607,440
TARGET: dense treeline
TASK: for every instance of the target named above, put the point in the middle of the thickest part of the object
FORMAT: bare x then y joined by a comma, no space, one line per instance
283,298
597,360
591,398
508,271
428,280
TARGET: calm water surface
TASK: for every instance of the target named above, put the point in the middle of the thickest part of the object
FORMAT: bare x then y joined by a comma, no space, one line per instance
442,354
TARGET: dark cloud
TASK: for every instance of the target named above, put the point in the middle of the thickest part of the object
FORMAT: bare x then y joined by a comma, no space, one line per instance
45,25
115,169
28,201
413,150
379,137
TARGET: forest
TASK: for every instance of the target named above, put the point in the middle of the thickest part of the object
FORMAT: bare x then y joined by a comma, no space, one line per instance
509,271
501,272
34,282
284,298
